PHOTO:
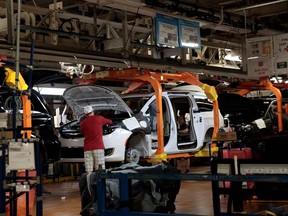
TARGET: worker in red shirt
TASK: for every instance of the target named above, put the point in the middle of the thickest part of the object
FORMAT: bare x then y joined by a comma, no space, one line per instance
91,128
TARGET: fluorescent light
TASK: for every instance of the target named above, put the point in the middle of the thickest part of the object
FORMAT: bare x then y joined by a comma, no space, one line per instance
49,90
230,57
254,57
276,79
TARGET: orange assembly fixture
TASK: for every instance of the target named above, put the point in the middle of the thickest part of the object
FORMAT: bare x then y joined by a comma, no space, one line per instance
27,119
140,77
264,83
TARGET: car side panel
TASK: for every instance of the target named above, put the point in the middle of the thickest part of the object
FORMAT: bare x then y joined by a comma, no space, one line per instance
117,141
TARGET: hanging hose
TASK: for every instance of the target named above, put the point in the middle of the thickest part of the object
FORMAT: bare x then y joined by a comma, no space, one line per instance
8,105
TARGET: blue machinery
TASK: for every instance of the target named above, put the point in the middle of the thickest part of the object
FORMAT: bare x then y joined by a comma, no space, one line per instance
248,171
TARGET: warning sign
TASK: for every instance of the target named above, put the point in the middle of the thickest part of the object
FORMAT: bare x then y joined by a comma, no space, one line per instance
281,54
281,45
259,47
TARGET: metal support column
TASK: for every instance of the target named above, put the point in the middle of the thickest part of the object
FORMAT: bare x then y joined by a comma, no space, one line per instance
126,35
2,181
124,193
101,193
39,198
10,21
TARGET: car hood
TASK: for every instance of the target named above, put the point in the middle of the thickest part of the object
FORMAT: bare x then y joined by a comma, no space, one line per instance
99,97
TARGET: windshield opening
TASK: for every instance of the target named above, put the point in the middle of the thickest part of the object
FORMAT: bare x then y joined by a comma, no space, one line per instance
135,103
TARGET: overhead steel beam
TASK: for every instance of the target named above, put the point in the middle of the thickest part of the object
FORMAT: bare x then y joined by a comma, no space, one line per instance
225,3
52,56
90,20
152,13
257,5
84,19
217,43
61,33
56,56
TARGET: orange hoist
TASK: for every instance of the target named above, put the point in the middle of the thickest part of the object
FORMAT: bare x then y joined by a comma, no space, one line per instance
140,77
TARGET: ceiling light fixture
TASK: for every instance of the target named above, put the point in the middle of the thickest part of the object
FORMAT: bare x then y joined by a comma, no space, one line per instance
232,56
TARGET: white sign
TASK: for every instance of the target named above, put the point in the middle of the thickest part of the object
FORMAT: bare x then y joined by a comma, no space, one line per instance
21,156
168,34
259,47
260,67
190,37
281,45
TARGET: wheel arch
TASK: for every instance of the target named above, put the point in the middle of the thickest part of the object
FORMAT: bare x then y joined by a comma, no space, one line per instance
208,136
140,141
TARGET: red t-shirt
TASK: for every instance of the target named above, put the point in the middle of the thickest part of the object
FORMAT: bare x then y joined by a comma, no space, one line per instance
91,128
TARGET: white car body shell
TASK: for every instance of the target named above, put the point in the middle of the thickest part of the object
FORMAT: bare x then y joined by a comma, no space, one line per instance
117,141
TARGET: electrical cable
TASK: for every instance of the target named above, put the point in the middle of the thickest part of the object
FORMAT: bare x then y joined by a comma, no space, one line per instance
8,104
4,81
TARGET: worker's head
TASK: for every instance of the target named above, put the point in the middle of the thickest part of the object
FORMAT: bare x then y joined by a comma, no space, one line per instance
88,110
181,119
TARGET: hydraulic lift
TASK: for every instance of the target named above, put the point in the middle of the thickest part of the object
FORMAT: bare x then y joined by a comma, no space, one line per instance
139,77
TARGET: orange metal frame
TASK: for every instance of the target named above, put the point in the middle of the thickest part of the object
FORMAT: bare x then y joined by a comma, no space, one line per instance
140,77
27,118
264,83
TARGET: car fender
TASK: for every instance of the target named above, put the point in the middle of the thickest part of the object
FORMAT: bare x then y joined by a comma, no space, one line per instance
116,141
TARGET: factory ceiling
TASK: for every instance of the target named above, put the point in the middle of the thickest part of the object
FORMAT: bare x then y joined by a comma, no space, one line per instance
121,34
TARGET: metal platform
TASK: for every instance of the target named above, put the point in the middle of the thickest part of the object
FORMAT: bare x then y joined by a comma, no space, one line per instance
222,170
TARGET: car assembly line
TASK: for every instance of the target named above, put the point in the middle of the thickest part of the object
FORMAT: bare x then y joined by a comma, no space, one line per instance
194,94
134,141
166,106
